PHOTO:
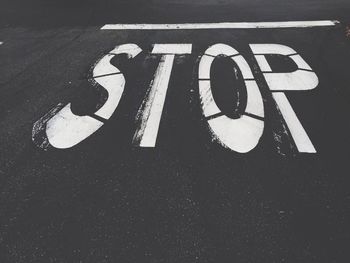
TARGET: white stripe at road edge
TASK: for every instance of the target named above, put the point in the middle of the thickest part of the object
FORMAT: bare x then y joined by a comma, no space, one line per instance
223,25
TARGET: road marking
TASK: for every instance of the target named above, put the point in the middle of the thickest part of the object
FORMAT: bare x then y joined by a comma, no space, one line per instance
146,136
150,112
64,129
1,43
172,49
242,134
263,64
301,139
302,79
223,25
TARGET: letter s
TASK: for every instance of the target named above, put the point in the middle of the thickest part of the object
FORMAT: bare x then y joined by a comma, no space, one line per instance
65,129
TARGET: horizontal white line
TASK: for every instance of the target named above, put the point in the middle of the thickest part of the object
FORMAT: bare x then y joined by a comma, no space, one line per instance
224,25
178,49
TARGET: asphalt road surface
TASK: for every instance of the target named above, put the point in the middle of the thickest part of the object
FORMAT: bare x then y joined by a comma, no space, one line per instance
174,145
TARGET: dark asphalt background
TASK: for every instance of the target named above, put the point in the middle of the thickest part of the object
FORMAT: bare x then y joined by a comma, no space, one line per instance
188,199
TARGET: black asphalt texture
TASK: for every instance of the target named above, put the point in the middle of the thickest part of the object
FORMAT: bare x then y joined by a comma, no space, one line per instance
188,199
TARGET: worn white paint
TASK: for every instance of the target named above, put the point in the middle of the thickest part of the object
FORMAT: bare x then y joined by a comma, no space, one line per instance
114,84
243,67
255,105
66,129
242,134
1,43
104,67
209,107
272,49
301,63
301,139
297,80
204,67
263,64
223,25
301,79
131,50
150,112
179,49
220,49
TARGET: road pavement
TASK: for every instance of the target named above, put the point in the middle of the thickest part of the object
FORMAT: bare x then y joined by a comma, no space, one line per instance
276,191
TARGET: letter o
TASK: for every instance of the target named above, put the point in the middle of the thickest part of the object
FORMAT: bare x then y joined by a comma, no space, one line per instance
243,134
